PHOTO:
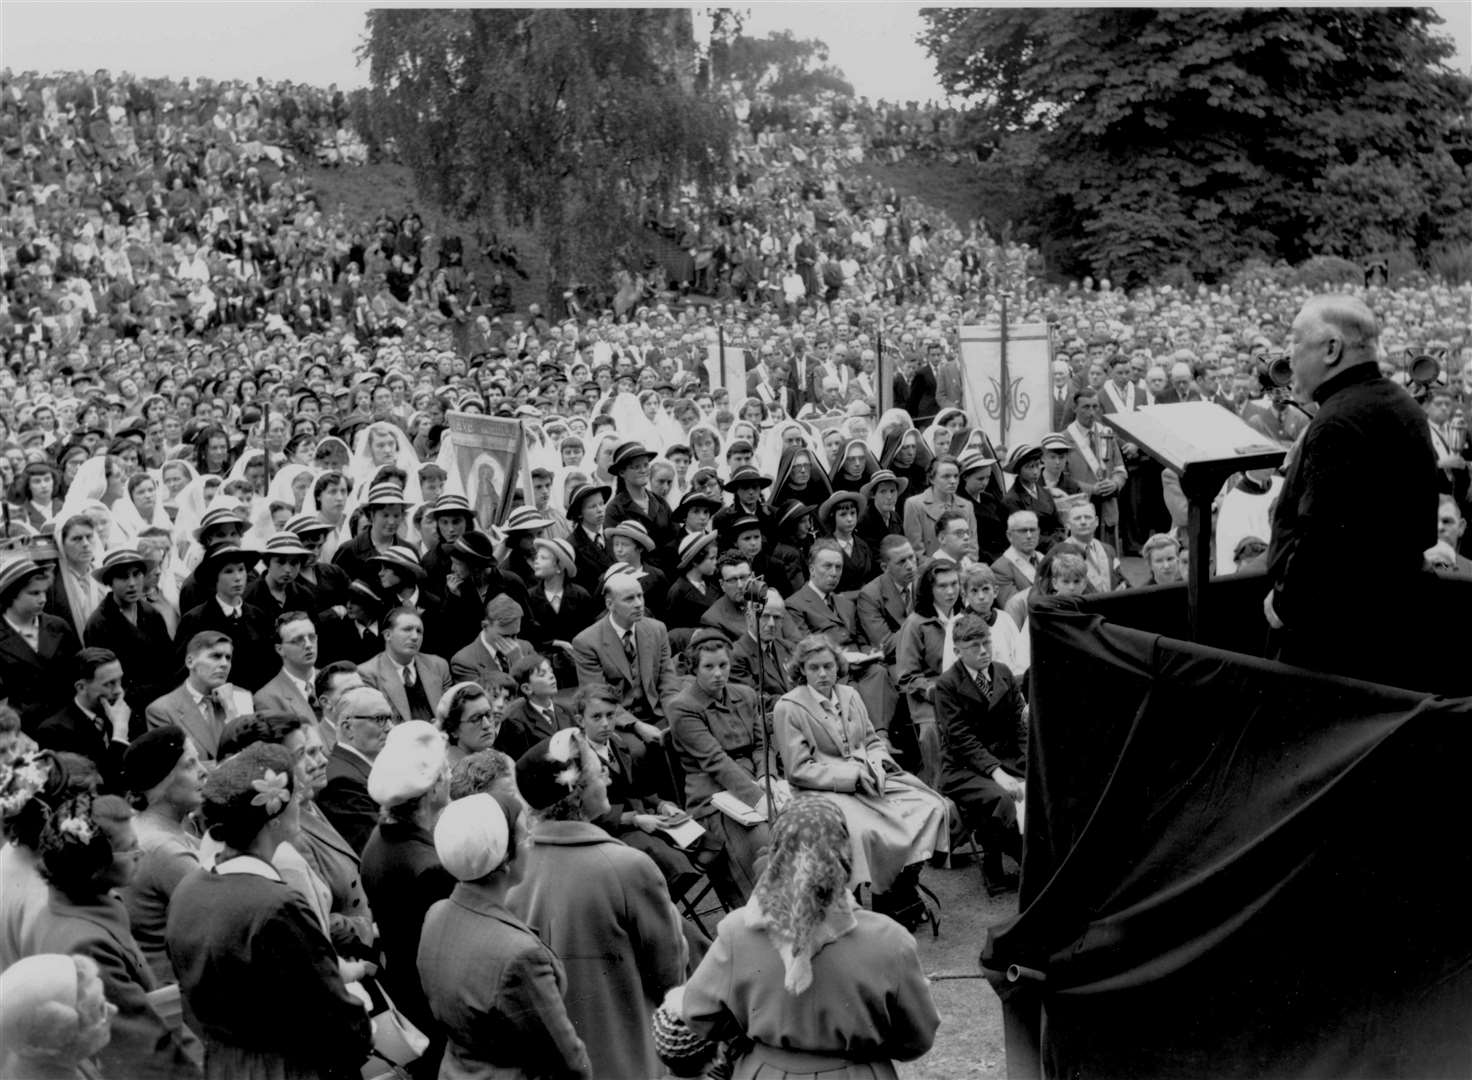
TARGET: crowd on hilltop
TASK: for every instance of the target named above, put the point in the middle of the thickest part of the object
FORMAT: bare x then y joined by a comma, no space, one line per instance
745,641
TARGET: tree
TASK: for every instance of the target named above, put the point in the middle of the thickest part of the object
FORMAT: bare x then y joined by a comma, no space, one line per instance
1151,137
576,123
781,65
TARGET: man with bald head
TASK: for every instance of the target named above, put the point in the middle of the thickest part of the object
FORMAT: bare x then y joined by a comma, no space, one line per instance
1362,487
630,652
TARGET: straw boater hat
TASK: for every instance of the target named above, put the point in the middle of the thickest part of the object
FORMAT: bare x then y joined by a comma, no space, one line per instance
692,548
585,491
625,454
385,494
525,519
220,515
402,558
450,504
884,476
838,498
743,524
747,476
365,594
286,545
16,572
692,501
308,525
631,530
475,547
973,460
792,511
1056,441
223,555
1021,454
562,551
116,561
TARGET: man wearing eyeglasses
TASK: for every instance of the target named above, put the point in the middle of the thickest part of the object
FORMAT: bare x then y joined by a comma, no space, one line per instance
293,689
362,717
1363,483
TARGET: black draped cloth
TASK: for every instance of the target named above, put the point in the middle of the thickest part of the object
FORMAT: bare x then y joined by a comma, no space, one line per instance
1270,879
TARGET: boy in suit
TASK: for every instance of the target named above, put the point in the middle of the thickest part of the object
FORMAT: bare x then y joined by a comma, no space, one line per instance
981,711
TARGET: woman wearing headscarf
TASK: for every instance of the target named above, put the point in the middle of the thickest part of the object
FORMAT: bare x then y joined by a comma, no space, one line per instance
237,934
193,499
599,905
89,848
802,979
854,466
829,745
901,450
378,446
492,985
800,476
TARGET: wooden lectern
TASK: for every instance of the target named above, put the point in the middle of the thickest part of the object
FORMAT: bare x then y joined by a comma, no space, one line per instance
1204,445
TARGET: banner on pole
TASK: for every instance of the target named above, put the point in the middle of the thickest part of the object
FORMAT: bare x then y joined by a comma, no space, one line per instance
1014,406
485,459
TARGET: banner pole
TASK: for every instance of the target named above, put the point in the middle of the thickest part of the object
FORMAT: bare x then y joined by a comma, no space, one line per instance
1003,396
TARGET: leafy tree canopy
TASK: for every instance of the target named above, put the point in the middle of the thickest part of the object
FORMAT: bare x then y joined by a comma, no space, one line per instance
781,65
573,122
1154,137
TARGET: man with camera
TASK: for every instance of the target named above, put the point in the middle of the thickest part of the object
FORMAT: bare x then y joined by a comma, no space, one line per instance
1363,485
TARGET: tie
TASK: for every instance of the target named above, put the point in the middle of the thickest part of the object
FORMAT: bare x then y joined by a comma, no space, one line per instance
905,595
629,650
419,707
217,707
984,682
1035,559
832,607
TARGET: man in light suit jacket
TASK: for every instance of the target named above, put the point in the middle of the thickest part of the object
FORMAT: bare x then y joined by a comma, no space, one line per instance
206,701
412,696
496,649
291,690
884,603
601,655
1018,566
818,609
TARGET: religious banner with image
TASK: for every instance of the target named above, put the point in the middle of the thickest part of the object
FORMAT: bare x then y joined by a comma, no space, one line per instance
1008,399
485,460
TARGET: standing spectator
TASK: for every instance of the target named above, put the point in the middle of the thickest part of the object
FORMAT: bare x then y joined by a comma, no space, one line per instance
599,905
32,645
126,624
492,985
410,781
163,772
236,933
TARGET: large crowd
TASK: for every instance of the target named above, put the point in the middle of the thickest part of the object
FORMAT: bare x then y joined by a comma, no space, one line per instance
757,649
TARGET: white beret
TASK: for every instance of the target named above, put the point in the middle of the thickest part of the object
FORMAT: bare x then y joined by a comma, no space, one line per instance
412,759
471,837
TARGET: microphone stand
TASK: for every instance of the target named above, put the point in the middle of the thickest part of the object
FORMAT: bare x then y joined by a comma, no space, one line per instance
754,619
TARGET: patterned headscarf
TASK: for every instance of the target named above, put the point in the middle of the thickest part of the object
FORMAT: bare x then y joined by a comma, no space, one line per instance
803,899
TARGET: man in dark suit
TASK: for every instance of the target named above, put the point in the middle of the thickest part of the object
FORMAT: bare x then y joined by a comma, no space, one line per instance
33,645
817,609
353,636
776,656
626,650
779,391
95,722
362,717
132,629
914,388
981,711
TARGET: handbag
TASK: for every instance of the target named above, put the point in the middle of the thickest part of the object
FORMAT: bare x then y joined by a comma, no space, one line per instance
396,1041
